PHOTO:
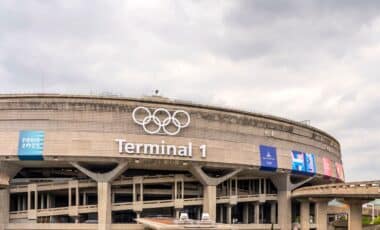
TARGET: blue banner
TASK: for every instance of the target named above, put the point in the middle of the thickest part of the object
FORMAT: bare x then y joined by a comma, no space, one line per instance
268,157
31,145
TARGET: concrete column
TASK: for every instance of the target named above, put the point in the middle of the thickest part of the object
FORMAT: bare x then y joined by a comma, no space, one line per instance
4,208
104,191
305,215
265,186
321,214
177,213
42,201
77,195
69,196
257,213
19,203
104,206
229,214
35,199
245,213
284,209
48,200
29,198
355,215
221,212
273,213
113,196
84,198
209,201
24,202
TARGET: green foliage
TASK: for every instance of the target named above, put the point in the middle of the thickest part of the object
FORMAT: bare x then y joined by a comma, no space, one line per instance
367,220
377,220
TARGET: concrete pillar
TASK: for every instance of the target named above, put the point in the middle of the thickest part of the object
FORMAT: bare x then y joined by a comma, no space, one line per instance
257,213
77,195
209,201
177,213
113,197
229,214
4,208
104,191
273,213
245,213
265,186
19,203
284,209
355,215
43,203
321,214
48,200
104,206
305,215
36,199
69,196
29,198
221,214
84,198
24,200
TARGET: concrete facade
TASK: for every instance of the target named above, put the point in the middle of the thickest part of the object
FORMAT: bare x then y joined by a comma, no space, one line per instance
83,177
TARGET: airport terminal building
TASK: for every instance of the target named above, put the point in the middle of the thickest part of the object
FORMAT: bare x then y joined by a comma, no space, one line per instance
86,162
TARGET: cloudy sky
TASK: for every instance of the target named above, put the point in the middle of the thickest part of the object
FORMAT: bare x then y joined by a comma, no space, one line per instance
304,60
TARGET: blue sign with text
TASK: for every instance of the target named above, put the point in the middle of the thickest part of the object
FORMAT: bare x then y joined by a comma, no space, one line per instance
268,157
31,145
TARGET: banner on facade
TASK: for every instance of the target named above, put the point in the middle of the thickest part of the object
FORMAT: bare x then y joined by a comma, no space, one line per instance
327,167
303,162
268,157
339,171
298,161
31,145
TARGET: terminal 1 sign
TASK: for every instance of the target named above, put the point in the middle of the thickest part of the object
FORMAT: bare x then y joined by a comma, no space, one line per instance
163,149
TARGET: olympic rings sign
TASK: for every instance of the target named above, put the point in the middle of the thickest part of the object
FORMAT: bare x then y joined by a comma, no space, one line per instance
161,120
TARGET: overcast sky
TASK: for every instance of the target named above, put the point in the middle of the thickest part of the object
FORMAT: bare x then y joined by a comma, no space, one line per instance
303,60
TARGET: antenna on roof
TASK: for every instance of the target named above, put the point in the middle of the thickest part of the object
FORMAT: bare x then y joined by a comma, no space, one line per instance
156,92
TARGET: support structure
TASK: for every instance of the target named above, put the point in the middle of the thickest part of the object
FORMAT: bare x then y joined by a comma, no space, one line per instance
355,213
7,172
305,215
321,213
284,190
209,188
104,191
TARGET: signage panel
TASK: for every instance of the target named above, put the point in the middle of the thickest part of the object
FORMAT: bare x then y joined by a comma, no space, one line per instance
31,145
298,161
327,167
310,163
268,157
339,171
303,162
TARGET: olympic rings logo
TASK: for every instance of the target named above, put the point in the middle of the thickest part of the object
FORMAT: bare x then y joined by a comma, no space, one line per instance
161,120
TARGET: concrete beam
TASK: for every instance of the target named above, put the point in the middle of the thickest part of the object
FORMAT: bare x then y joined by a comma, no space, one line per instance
103,177
198,173
104,191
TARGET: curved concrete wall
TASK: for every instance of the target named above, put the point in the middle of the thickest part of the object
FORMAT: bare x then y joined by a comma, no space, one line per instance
79,126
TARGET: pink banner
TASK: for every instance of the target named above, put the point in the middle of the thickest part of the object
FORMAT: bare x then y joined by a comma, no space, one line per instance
339,171
327,167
